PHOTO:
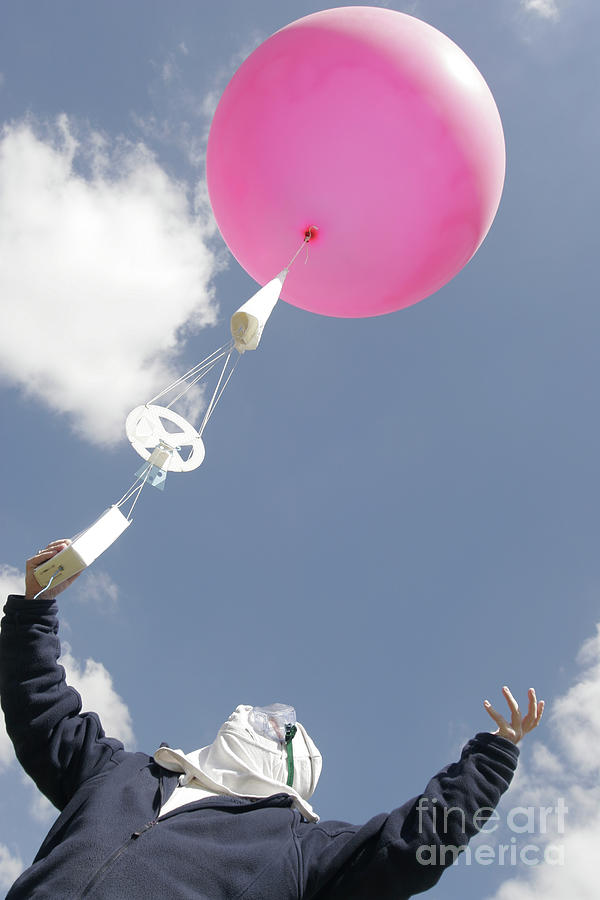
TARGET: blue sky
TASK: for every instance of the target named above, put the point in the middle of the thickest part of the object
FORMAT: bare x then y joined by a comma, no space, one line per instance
396,516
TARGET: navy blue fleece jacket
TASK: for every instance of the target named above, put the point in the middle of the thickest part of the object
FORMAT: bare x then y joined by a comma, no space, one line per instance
107,842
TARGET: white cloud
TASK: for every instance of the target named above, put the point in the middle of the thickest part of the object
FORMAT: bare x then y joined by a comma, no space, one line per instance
183,115
94,683
168,71
222,77
10,867
12,581
105,272
97,589
566,769
7,754
576,878
40,808
547,9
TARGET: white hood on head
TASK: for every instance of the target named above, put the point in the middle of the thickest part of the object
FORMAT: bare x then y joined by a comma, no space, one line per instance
242,763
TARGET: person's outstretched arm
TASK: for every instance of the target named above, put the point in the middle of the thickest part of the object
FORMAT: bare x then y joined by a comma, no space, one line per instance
57,744
405,852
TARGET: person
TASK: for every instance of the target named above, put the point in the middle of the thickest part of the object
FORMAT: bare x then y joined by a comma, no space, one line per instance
230,820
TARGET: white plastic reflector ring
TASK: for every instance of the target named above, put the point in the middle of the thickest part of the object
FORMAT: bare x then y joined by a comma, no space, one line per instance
146,427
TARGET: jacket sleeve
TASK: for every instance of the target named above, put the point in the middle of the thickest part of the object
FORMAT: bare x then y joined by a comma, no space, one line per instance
406,852
58,746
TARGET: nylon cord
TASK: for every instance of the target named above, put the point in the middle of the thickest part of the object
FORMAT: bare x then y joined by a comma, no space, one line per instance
47,586
211,405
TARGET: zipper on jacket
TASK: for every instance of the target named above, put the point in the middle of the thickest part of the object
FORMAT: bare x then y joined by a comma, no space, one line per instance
140,831
114,856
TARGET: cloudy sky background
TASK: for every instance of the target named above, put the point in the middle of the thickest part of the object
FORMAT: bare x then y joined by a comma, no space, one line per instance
395,517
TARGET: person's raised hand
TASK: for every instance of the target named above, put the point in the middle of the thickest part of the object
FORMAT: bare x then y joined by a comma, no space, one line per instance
32,586
519,725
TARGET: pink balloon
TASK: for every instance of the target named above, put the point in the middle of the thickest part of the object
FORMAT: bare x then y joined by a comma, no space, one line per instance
378,129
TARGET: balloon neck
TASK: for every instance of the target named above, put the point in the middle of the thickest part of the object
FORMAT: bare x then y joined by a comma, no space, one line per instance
310,233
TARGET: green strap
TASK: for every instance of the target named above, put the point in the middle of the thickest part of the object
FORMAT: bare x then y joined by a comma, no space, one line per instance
290,731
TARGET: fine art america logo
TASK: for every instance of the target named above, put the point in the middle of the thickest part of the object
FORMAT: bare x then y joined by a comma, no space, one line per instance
520,820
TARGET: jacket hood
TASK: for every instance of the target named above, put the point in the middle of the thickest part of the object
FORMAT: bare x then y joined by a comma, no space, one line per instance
242,763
